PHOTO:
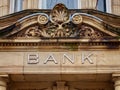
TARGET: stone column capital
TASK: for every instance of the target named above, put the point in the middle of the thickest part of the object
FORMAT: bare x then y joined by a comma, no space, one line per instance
116,77
3,81
4,77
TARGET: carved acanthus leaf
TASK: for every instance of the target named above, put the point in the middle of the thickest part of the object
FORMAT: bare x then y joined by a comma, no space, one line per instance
50,31
89,32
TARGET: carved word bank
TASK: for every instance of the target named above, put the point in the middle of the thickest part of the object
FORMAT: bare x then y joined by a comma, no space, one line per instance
63,58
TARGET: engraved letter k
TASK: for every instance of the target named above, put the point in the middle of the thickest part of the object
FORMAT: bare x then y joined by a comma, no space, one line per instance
86,57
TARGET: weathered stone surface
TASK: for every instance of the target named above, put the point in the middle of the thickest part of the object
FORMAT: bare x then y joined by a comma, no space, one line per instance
11,62
60,62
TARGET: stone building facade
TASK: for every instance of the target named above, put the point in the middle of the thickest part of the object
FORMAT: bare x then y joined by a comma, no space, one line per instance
59,48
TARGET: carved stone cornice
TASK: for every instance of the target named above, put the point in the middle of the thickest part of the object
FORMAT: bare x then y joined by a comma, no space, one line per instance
55,44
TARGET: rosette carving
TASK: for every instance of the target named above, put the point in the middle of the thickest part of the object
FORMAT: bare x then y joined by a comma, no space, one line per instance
42,19
77,18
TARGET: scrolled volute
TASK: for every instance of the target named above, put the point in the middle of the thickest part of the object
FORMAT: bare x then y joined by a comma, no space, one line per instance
76,18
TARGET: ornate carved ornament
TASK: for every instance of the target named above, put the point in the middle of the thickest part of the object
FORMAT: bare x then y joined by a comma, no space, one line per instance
84,31
59,23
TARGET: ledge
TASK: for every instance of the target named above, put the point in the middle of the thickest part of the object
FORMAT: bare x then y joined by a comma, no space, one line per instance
49,40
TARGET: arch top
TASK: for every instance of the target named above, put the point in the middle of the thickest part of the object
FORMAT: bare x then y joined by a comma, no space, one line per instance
60,23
